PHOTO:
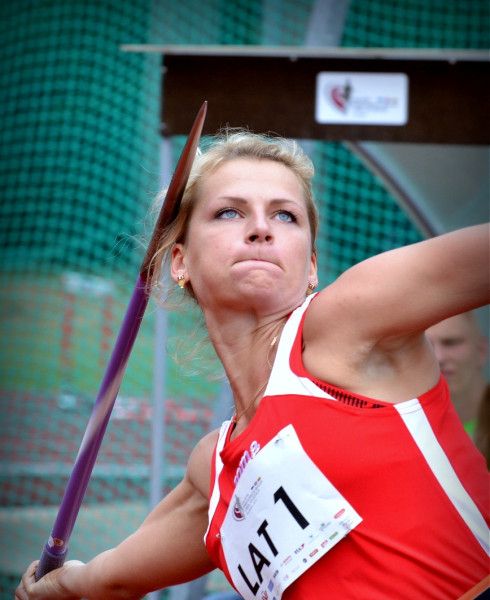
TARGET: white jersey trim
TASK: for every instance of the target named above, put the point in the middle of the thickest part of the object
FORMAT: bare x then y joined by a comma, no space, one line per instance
282,380
418,425
215,495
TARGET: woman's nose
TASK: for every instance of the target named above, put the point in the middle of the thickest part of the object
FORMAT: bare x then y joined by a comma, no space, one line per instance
259,230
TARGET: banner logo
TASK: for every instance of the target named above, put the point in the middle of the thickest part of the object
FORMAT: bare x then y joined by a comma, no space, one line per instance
361,98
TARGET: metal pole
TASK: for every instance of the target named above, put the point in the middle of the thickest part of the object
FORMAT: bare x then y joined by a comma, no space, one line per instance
158,413
159,373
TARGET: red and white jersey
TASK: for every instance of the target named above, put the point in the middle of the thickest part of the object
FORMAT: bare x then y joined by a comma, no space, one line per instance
415,485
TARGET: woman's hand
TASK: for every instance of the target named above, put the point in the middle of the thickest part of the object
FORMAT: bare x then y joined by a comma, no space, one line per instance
48,587
167,549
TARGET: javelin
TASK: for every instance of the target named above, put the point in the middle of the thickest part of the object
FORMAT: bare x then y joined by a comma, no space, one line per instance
56,548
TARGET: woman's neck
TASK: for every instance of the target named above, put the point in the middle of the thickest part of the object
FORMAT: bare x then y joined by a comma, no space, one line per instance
247,350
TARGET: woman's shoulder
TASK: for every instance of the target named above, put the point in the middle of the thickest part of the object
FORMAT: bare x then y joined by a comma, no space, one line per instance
199,465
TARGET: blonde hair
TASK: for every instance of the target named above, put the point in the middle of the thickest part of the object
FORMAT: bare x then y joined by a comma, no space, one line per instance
227,145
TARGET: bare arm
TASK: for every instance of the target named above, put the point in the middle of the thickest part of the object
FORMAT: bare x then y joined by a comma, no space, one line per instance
167,549
372,319
408,289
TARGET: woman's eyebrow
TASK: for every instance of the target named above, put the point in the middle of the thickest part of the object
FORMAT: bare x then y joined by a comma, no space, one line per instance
238,199
273,201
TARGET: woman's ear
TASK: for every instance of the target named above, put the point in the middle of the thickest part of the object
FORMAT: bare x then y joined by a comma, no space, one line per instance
177,265
313,278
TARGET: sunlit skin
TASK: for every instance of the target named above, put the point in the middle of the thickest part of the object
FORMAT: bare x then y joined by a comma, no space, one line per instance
250,240
462,352
250,261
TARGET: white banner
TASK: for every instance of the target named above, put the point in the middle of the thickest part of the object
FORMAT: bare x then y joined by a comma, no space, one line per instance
361,98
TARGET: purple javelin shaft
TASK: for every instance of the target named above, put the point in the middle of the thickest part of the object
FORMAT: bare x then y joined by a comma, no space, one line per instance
56,548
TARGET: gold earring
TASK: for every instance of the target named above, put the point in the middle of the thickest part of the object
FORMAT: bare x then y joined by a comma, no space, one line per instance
311,287
181,281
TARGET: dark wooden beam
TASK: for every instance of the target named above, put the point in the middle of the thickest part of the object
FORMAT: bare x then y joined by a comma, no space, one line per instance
273,90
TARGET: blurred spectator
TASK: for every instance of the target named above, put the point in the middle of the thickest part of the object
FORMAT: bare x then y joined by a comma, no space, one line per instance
462,352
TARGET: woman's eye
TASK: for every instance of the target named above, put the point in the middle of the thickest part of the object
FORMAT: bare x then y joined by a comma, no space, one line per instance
227,213
286,216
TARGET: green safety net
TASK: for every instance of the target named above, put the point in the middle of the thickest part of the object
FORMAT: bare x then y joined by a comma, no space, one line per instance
79,168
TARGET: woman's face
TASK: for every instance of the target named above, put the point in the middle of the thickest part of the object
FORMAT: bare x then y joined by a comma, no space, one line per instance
248,242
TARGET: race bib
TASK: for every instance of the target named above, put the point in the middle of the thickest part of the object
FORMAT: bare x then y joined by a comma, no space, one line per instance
284,516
